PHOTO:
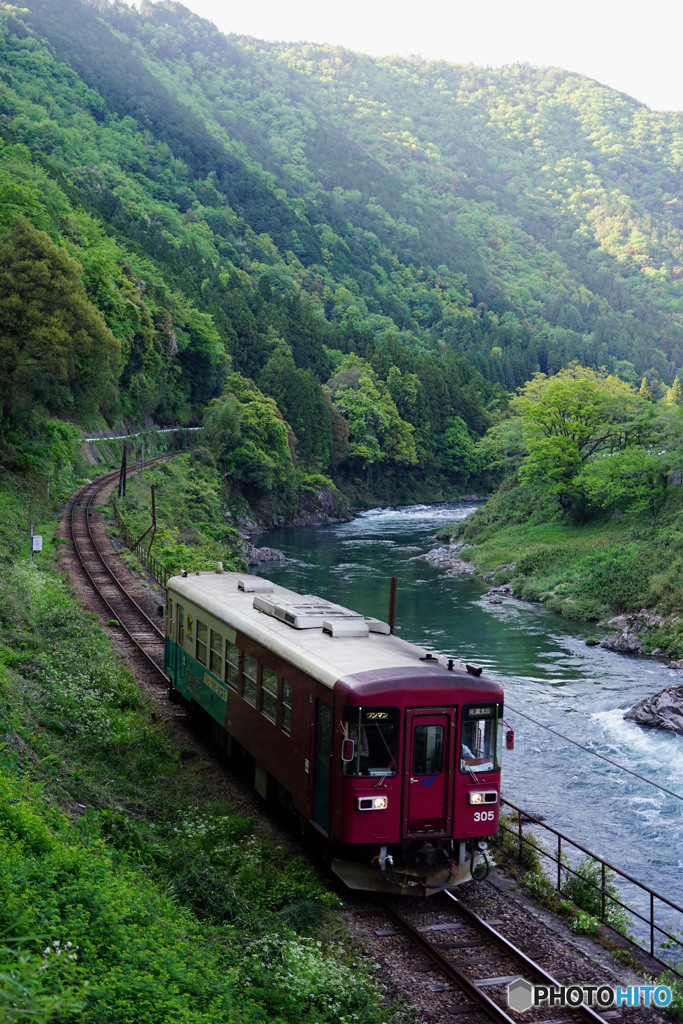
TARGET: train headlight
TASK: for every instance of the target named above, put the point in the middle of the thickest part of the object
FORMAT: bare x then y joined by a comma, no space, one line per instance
487,796
373,803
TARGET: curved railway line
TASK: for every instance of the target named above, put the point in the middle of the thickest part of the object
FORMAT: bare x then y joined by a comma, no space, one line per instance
475,961
110,581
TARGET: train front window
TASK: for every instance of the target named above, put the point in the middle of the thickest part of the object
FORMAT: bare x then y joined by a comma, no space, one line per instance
481,738
374,732
428,750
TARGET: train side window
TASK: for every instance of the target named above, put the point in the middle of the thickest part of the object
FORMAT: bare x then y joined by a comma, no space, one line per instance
269,692
286,705
202,646
428,749
180,612
249,677
232,666
216,652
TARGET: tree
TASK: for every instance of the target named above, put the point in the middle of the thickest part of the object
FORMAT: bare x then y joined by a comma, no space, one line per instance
56,353
646,391
576,415
202,356
459,456
675,395
249,438
634,474
376,431
300,399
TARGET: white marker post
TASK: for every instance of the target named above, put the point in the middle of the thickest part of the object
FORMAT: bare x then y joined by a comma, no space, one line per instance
36,542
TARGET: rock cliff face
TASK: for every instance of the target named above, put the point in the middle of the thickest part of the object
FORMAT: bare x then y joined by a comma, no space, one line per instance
662,711
320,506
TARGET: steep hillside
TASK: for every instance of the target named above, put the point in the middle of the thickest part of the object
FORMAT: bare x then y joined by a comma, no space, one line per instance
385,247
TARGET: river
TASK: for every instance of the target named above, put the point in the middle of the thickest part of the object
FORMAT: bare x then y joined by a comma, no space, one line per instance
547,670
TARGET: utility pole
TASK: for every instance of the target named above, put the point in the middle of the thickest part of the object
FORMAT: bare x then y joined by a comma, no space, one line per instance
393,587
122,474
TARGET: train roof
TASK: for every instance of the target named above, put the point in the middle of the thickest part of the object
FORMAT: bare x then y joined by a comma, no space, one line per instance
324,639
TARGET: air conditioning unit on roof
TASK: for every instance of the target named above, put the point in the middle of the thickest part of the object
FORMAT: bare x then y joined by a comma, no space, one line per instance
308,612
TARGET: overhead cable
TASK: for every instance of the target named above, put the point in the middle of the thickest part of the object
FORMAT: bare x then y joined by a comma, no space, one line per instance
669,792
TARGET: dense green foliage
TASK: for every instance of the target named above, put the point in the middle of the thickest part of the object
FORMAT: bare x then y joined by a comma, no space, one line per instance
191,529
586,518
235,208
130,889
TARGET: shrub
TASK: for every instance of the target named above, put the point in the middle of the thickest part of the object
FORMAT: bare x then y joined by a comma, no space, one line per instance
585,924
583,886
297,981
101,858
541,888
674,1011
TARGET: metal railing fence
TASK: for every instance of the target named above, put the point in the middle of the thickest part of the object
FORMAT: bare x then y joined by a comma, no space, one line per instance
607,900
153,566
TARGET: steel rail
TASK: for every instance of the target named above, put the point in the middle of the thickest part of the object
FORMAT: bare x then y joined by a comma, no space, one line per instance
491,1009
469,985
587,1012
113,575
84,501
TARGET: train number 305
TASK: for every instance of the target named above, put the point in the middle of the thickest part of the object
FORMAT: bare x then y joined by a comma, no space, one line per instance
484,815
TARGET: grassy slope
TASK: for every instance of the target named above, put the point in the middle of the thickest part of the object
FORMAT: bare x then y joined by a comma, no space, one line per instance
129,889
587,572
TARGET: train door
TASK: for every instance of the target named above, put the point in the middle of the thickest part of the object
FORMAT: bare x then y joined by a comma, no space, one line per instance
428,774
323,753
175,620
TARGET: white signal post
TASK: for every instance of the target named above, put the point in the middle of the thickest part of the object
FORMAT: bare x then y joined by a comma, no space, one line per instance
36,542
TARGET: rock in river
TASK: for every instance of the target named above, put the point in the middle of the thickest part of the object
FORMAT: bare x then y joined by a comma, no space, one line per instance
630,630
258,556
447,558
663,711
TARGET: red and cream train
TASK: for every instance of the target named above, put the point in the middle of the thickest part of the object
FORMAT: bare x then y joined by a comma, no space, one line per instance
389,753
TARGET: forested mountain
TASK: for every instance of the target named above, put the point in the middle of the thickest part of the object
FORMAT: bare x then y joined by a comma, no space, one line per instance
386,248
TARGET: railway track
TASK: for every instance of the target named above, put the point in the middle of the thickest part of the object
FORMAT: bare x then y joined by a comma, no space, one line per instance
472,964
102,567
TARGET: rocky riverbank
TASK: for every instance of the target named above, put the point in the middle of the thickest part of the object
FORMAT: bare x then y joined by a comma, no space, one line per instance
630,631
318,506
